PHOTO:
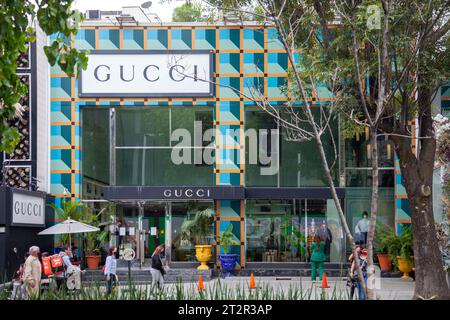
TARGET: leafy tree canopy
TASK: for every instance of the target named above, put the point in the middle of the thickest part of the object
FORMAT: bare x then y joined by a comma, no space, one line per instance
18,20
188,12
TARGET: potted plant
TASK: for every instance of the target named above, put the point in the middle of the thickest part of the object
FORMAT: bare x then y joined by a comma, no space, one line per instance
405,257
198,230
93,242
400,249
381,247
228,261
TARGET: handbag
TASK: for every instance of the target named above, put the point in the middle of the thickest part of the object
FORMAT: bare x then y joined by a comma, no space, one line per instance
166,268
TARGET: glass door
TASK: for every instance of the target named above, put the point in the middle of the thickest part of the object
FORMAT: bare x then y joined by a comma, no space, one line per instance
153,223
321,218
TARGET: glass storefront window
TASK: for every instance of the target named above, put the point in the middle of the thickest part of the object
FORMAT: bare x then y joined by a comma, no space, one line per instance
96,144
142,127
363,177
181,249
145,154
298,164
357,200
283,230
154,167
357,151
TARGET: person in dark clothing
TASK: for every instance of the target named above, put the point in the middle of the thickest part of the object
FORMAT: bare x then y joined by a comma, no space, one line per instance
157,269
325,235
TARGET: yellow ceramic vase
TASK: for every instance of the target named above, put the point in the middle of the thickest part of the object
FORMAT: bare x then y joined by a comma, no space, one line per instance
203,255
404,266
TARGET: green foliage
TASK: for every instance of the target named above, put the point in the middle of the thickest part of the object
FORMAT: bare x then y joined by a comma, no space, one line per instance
198,229
94,240
16,32
77,210
228,238
215,290
395,245
188,12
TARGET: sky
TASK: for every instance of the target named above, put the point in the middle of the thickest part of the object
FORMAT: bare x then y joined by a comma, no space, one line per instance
164,11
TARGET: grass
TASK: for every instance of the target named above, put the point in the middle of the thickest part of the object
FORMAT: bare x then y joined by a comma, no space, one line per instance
215,290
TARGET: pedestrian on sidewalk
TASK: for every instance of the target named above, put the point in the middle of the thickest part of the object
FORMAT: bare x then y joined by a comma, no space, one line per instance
32,273
19,290
352,274
363,265
318,257
111,269
157,268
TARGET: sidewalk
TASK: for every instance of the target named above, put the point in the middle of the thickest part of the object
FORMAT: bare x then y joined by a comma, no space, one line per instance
390,288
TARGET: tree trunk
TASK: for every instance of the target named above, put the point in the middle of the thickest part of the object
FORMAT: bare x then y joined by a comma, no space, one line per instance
431,282
418,178
373,216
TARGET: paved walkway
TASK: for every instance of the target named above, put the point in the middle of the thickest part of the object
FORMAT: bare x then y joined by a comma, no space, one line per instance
388,288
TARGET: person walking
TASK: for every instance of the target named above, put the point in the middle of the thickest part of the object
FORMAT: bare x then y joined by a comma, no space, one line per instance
157,268
363,264
19,290
111,269
362,227
318,257
32,273
325,235
353,275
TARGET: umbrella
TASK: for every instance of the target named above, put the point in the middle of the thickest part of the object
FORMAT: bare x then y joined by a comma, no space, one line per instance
69,226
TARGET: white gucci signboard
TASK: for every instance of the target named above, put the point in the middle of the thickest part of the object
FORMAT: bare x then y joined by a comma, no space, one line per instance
28,210
147,73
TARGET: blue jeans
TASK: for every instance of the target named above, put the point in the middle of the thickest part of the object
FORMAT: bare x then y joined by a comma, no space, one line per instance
361,293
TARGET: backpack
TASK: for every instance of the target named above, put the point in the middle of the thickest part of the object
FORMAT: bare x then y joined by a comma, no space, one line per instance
56,261
47,266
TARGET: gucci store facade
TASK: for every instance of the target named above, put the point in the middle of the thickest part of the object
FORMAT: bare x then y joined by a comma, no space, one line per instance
119,131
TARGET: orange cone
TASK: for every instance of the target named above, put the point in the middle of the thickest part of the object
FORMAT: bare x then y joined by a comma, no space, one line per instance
252,284
200,285
324,281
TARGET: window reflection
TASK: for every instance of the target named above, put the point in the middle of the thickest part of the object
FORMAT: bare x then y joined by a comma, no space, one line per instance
283,230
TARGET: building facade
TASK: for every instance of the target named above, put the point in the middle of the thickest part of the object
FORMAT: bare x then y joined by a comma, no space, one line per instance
112,141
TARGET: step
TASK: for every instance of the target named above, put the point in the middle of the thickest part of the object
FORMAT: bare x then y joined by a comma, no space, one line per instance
144,275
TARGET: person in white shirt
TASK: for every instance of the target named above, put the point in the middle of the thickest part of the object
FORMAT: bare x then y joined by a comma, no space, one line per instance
362,228
111,268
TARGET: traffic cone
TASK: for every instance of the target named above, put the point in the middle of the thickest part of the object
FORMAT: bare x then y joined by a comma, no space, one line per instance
324,281
252,284
200,285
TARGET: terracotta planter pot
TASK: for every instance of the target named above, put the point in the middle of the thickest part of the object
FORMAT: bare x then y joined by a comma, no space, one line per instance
404,266
93,262
203,255
385,261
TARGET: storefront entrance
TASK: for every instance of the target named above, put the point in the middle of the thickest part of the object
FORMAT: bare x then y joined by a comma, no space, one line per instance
143,227
146,224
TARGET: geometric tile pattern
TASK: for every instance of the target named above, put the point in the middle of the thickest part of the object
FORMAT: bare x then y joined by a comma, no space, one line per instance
402,208
242,56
